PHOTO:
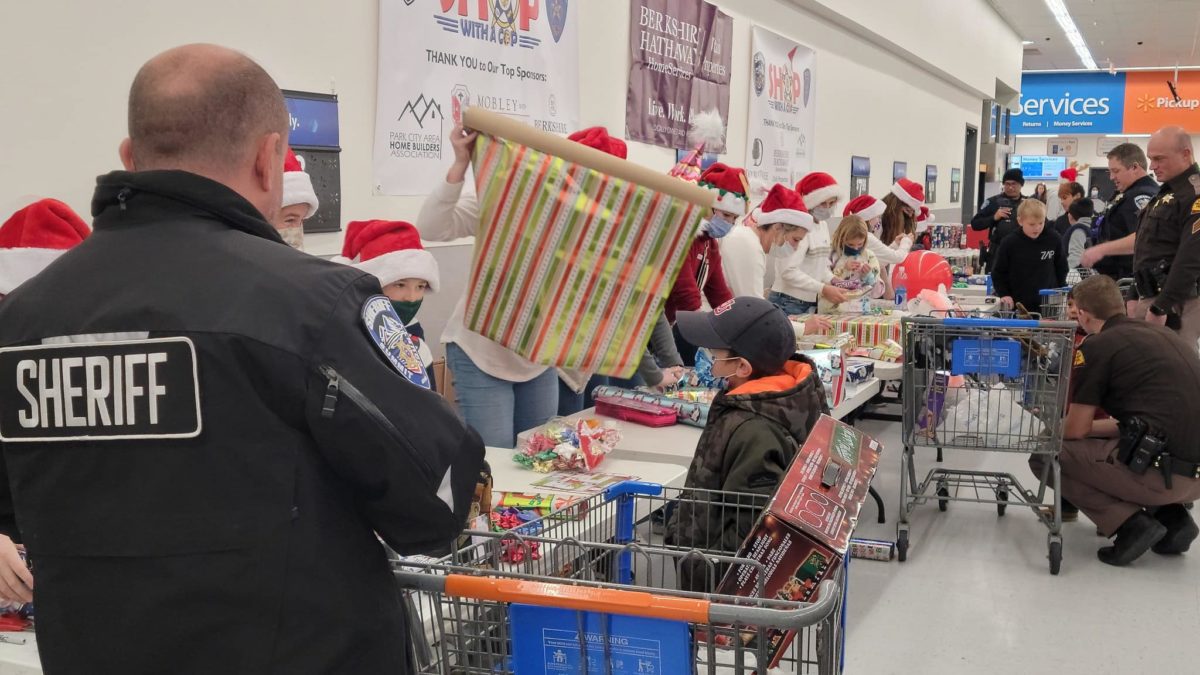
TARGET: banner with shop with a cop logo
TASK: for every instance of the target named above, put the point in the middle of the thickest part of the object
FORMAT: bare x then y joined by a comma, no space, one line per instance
783,105
519,58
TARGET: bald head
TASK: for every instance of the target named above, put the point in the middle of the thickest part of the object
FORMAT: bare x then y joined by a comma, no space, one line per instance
202,108
1170,152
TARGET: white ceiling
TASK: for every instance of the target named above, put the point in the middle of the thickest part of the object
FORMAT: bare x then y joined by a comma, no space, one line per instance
1168,32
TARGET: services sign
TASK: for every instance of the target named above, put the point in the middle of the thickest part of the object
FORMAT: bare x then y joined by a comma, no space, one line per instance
1078,103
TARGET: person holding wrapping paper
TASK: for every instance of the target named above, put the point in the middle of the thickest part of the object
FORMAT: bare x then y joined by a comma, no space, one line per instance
500,393
805,276
771,397
1130,474
773,231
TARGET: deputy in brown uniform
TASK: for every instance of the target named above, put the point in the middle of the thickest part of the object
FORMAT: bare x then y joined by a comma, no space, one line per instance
1148,453
1166,245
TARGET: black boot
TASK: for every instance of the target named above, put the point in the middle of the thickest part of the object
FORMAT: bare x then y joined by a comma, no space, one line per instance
1181,530
1133,538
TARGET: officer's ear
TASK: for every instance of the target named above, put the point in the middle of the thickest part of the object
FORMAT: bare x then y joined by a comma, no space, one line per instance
268,162
126,153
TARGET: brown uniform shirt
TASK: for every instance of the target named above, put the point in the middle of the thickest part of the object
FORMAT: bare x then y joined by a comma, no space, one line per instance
1168,231
1133,368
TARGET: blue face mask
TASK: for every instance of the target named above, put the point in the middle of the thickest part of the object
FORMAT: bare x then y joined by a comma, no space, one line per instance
704,373
851,252
717,226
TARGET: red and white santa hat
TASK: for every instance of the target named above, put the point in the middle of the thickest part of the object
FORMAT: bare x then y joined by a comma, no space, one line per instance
865,207
909,192
731,186
598,138
389,249
297,185
34,237
1069,174
924,218
783,205
818,187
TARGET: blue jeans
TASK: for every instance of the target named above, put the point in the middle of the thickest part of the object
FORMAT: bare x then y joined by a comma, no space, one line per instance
570,403
792,306
497,409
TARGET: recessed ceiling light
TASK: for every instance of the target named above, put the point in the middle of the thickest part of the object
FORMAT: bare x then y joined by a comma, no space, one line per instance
1026,42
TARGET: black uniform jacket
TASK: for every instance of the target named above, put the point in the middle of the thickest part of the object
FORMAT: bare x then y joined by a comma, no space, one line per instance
201,443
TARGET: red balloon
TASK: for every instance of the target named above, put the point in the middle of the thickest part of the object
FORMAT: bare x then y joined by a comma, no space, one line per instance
922,270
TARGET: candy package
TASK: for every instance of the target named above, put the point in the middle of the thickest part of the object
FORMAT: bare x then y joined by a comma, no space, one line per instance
567,445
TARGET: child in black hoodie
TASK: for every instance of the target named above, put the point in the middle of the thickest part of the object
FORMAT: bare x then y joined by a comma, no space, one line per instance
1027,263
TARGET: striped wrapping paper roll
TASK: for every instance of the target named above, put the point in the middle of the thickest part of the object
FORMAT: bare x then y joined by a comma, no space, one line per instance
691,414
572,266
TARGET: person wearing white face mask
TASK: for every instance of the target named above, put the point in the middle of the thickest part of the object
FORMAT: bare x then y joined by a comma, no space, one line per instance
773,231
888,253
805,276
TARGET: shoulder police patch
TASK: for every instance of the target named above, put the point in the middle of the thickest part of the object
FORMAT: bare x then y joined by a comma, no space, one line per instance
1141,201
1196,206
388,333
101,391
1079,361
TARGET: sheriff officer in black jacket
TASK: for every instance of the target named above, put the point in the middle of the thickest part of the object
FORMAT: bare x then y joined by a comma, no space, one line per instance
1166,244
203,429
999,213
1135,188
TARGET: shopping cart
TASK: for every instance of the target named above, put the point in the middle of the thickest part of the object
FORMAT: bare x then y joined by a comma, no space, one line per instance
1054,300
596,591
984,384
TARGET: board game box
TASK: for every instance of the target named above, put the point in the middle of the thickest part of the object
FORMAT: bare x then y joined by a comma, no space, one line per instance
804,533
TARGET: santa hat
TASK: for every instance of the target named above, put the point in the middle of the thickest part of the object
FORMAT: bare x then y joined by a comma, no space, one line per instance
783,205
865,207
731,186
707,131
390,250
924,218
297,186
1069,174
909,192
34,237
818,187
598,138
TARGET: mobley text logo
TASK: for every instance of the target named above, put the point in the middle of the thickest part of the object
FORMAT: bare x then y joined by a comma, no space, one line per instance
420,130
503,22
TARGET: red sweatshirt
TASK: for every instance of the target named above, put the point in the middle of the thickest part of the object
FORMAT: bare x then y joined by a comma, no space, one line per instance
685,296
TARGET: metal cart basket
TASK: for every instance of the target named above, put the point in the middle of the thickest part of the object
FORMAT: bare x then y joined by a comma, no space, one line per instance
598,568
985,384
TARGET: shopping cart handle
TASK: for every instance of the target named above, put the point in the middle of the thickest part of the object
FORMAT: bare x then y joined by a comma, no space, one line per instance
632,487
958,322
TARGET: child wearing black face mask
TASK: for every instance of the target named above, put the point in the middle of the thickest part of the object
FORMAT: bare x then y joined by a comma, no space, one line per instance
392,251
855,268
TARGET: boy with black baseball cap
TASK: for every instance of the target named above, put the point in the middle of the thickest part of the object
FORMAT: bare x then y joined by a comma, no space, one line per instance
755,426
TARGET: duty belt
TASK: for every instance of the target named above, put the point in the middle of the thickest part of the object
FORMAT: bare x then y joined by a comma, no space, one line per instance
1169,466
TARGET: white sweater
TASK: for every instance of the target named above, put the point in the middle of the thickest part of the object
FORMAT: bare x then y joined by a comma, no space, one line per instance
888,255
744,262
447,215
806,272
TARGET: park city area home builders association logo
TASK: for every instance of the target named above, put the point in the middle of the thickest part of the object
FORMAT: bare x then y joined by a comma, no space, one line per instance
419,130
504,22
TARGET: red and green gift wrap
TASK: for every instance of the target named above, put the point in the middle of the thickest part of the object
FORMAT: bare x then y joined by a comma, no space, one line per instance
573,262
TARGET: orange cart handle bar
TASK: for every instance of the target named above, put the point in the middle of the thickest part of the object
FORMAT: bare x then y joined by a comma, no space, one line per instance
629,603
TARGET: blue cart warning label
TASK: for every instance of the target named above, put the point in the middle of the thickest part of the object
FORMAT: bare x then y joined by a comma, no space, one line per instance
548,640
986,357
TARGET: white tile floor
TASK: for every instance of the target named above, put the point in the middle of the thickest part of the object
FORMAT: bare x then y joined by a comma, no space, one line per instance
976,595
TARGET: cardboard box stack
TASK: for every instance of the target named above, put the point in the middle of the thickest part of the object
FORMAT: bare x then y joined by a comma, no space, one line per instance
804,533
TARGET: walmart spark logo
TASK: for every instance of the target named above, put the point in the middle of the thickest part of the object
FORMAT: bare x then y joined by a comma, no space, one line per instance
1146,103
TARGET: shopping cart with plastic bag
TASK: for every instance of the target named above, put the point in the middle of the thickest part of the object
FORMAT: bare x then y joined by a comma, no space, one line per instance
596,590
1054,300
995,385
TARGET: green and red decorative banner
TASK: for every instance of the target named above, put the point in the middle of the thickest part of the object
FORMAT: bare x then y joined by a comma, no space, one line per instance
572,265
